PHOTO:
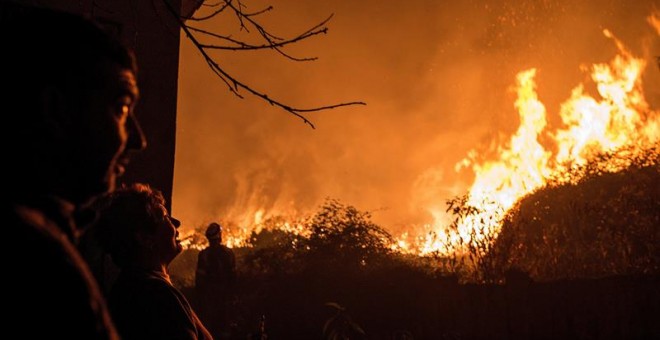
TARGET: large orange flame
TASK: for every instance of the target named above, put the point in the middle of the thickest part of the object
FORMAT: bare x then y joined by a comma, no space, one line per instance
620,118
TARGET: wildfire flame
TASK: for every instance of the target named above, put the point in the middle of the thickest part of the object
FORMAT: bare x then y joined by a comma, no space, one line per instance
617,118
620,119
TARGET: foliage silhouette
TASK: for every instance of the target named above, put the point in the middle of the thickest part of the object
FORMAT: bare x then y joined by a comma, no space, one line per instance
343,234
340,237
600,225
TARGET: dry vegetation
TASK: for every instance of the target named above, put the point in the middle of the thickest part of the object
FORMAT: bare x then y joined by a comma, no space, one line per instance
605,224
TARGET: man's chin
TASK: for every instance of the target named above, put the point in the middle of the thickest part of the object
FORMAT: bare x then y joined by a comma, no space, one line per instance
94,192
111,182
110,186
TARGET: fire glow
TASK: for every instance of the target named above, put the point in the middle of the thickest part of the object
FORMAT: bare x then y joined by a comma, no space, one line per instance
618,118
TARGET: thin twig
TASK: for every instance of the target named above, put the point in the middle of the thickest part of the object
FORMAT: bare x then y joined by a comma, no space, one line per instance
215,35
258,12
244,46
212,5
216,12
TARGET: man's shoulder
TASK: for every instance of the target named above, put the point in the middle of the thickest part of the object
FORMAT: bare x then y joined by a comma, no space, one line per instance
40,234
215,250
50,276
223,251
204,253
51,252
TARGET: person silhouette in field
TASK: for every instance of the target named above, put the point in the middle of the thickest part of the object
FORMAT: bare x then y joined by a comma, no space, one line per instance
215,280
68,97
135,228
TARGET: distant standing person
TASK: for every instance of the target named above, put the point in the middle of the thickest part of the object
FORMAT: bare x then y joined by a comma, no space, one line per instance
142,239
215,281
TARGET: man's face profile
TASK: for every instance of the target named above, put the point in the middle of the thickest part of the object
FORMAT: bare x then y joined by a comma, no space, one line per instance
108,128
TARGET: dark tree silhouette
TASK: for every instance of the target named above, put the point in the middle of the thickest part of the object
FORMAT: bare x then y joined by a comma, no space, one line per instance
250,24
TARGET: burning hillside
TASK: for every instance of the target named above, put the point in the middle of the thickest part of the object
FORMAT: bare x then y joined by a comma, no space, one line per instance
608,115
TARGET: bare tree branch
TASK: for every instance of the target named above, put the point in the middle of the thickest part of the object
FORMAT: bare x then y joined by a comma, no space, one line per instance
271,42
216,12
239,14
258,12
215,35
244,46
267,35
213,5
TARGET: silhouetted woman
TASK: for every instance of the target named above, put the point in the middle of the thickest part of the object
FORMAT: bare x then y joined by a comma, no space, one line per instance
140,235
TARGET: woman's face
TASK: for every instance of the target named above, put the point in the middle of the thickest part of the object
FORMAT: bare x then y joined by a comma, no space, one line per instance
166,242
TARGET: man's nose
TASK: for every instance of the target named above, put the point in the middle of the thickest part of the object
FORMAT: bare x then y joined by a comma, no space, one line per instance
136,140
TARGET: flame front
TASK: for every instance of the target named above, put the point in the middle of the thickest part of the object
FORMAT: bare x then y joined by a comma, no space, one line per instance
617,118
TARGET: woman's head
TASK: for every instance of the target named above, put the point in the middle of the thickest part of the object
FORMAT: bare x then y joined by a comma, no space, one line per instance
136,229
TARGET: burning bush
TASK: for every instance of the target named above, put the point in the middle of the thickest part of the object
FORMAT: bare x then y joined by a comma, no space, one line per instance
340,236
343,234
271,252
605,224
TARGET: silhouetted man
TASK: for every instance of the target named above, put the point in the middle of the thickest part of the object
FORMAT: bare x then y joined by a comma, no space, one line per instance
67,100
214,280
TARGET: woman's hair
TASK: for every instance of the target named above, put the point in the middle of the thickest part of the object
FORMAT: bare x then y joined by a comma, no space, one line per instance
123,215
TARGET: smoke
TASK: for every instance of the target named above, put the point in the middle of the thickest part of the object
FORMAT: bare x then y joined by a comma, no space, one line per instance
436,77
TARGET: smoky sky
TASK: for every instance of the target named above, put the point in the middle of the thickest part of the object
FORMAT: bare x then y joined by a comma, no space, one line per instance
436,77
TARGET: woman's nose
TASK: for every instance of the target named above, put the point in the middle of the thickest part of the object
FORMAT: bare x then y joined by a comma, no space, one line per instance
176,223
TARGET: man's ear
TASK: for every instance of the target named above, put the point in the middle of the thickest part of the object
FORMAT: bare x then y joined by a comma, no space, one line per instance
54,110
145,240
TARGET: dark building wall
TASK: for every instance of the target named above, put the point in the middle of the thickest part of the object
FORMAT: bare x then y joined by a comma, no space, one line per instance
156,44
151,31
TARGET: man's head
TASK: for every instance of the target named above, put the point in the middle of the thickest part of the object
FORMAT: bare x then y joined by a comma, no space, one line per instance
214,233
71,90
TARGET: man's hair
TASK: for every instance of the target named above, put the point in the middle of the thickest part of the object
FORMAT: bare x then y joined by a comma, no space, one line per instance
43,48
214,231
123,215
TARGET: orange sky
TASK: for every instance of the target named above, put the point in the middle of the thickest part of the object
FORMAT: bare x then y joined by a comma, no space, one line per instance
436,76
